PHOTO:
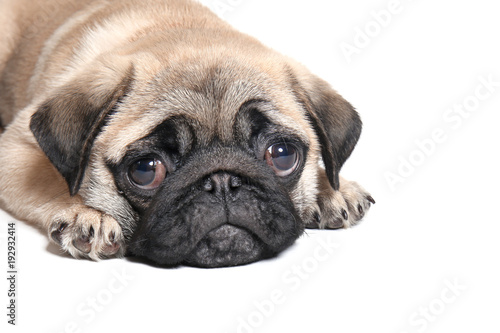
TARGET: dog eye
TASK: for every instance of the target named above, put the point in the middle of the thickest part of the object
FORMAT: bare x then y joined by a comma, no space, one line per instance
283,158
147,173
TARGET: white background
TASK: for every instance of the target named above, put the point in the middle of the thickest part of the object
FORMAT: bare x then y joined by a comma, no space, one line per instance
436,227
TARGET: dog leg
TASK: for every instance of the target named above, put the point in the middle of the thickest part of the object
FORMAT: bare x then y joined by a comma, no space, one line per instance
31,189
343,208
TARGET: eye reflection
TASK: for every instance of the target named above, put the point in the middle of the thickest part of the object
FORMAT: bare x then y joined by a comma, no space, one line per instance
147,173
282,158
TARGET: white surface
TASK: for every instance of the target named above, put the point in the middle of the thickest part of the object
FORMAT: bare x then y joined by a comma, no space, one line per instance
438,228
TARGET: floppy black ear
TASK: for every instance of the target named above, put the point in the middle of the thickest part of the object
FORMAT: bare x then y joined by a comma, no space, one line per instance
67,124
335,121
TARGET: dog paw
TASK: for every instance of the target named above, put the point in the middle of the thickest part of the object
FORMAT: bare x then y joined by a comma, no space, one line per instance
358,201
84,232
343,208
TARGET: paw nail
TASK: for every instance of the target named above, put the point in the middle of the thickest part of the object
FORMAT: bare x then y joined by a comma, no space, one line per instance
56,235
344,214
62,227
360,210
317,217
314,224
369,198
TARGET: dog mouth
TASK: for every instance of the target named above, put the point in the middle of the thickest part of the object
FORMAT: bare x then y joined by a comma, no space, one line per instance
227,245
221,225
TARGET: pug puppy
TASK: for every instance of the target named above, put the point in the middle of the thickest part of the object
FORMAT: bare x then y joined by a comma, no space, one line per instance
153,128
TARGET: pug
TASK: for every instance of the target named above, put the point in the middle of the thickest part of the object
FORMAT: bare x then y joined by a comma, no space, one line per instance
152,128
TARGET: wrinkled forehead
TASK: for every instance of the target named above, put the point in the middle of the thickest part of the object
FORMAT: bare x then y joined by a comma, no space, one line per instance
211,97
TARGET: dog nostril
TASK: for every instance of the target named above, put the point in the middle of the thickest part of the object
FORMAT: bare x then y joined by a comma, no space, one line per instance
235,181
221,182
208,185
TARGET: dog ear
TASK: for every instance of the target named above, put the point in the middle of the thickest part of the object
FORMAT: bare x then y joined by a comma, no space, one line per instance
336,122
67,123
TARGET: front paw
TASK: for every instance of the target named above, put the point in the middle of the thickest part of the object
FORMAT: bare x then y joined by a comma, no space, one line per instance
358,201
343,208
87,233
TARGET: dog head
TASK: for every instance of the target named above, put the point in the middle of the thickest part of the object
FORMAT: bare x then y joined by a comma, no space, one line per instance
206,155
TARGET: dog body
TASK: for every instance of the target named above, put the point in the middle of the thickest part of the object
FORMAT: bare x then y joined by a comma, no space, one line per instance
154,127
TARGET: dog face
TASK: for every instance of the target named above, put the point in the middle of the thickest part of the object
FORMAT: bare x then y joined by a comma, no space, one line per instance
207,155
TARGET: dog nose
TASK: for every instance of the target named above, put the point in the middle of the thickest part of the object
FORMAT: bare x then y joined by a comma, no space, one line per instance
221,182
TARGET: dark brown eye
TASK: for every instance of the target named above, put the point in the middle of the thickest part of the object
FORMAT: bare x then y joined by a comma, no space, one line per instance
147,173
283,158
